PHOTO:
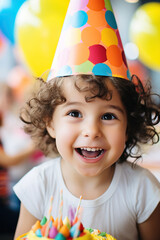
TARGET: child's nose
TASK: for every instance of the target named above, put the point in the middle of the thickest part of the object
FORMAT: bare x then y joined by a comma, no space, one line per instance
91,129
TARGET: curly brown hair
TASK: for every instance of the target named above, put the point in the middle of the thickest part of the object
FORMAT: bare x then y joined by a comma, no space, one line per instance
142,112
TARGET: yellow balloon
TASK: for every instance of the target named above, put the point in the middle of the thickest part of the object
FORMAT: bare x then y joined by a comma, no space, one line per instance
37,29
145,33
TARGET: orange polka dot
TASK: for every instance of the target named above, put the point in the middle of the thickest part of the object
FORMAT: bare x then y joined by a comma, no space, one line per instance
79,54
91,36
114,55
96,19
118,71
96,5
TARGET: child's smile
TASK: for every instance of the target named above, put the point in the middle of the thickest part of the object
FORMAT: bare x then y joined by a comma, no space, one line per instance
90,154
90,136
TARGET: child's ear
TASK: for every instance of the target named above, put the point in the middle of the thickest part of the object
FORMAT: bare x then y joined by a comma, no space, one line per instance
51,131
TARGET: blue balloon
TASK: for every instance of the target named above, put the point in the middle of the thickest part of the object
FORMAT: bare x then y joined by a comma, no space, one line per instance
8,12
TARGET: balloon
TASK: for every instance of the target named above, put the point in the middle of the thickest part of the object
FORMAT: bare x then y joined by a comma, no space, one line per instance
8,12
37,29
145,33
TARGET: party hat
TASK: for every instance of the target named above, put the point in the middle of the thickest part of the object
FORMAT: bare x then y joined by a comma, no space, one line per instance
90,42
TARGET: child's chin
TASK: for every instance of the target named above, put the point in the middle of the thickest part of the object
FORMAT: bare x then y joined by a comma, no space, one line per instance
88,172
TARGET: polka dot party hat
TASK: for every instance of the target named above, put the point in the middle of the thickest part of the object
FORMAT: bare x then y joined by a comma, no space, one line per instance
90,42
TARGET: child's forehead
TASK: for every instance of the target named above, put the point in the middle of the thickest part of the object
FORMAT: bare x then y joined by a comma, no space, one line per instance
82,83
73,86
84,95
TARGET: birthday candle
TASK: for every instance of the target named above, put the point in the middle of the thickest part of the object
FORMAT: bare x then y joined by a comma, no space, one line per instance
78,222
49,216
71,214
60,209
78,207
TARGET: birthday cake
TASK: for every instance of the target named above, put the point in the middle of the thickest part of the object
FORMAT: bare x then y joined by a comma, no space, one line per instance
47,230
69,228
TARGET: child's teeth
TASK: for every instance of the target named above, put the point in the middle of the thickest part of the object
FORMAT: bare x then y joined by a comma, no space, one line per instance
92,149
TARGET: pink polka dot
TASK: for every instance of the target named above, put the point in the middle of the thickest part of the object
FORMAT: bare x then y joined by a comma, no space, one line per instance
97,54
78,4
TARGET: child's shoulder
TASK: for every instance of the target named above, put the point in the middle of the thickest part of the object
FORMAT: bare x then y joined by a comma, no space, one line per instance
136,182
133,169
134,173
42,175
47,167
49,162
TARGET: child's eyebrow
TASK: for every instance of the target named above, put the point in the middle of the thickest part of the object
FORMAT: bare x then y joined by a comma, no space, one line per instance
116,108
72,103
110,106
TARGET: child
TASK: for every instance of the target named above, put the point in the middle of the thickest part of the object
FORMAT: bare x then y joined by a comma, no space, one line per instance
94,118
94,127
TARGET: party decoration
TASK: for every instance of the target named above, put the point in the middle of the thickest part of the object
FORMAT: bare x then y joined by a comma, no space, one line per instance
37,29
8,12
145,33
92,42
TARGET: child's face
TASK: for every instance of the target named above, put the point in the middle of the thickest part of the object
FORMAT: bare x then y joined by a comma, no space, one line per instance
90,136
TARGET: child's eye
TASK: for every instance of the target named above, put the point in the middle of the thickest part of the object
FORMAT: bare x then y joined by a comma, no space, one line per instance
109,116
75,114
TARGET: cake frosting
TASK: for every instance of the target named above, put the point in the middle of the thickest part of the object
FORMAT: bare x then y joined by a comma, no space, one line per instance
47,230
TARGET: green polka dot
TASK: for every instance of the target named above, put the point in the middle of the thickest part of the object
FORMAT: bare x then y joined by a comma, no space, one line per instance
43,221
108,5
84,67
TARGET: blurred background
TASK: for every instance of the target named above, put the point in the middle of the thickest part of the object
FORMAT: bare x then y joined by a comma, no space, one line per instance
139,26
29,33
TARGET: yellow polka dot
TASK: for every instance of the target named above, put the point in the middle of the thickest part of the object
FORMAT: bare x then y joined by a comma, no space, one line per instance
109,37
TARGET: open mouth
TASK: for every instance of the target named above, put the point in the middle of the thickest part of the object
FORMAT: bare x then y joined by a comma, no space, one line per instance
90,153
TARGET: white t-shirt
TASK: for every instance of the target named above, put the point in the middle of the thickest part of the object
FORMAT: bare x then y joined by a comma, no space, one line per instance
131,198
